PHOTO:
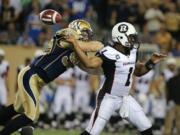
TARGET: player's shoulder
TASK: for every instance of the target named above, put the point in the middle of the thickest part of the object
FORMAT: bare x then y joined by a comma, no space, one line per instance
109,53
134,51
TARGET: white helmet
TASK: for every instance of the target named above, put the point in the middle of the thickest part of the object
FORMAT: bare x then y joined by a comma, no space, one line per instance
125,34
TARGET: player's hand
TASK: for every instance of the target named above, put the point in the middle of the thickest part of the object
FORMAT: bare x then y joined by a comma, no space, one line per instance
70,38
157,57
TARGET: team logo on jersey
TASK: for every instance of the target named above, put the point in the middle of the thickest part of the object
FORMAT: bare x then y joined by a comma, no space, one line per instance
73,58
123,28
117,57
65,61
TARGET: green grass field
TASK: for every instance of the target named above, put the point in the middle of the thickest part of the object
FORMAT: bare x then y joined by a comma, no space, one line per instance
65,132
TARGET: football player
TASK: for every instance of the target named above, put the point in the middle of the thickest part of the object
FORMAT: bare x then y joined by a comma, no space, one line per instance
4,68
41,71
142,86
81,93
63,101
26,63
119,63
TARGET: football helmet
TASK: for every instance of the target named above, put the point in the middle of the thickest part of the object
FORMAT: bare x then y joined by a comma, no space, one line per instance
125,34
83,28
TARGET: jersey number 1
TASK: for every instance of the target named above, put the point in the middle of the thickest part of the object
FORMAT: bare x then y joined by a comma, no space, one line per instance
129,75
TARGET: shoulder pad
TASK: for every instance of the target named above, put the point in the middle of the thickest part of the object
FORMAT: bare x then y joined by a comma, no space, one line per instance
109,53
133,50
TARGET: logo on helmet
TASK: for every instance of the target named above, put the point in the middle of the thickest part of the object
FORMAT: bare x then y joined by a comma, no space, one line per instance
123,28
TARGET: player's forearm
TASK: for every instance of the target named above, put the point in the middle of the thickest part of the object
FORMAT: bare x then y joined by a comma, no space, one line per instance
82,56
91,46
143,68
140,69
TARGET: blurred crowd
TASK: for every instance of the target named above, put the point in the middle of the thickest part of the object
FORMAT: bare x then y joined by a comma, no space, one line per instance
158,21
158,24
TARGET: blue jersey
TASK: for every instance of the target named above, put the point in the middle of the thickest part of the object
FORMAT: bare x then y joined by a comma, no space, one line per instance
54,63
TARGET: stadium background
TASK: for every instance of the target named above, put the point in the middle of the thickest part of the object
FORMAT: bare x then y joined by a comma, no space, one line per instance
22,33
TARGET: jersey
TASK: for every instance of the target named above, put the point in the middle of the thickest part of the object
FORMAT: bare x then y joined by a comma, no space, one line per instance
143,82
82,83
65,76
118,69
63,95
56,60
4,66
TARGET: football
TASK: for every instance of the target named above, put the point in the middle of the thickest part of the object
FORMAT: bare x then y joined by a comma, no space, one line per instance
50,16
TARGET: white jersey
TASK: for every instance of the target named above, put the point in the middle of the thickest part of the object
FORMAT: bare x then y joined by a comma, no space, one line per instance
118,69
143,82
82,89
82,80
3,71
65,76
63,95
3,89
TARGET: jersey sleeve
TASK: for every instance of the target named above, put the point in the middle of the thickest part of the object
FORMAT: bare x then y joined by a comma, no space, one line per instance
106,54
102,56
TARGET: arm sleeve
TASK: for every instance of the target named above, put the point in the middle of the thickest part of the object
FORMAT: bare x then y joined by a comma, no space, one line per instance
103,57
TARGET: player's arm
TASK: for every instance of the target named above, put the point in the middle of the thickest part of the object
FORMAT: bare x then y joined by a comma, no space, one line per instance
92,62
143,68
94,81
90,46
86,46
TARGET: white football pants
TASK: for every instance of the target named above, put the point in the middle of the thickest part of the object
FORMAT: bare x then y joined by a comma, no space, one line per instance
127,107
